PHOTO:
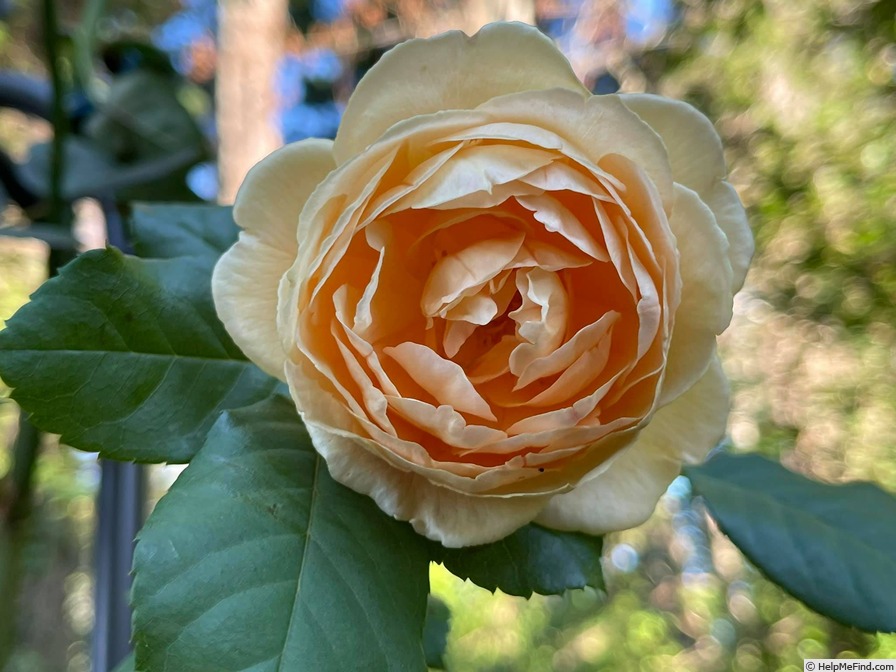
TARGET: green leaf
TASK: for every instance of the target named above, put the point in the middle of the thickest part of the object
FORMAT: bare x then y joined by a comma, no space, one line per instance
126,665
90,172
173,230
127,357
435,632
143,119
533,559
257,560
831,546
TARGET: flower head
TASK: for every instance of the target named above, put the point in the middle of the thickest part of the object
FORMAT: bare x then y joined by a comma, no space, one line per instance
495,297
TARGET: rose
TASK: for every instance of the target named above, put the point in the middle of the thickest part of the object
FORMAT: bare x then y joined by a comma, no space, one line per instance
495,297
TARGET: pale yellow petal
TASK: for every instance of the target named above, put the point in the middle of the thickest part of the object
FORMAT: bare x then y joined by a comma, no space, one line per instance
372,397
245,285
440,514
625,491
582,372
587,338
541,318
246,281
445,423
706,303
732,218
556,218
564,418
474,169
584,128
478,309
450,71
275,190
456,334
562,177
442,378
698,163
463,273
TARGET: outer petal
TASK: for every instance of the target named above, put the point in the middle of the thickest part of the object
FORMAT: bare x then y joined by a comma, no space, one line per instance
452,518
246,279
698,163
706,303
593,127
451,71
244,286
626,492
275,190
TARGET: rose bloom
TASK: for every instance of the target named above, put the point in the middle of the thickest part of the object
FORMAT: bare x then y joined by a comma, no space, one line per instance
495,297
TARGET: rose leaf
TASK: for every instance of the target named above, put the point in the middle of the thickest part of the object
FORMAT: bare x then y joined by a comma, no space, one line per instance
126,665
534,559
127,357
171,230
831,546
257,560
96,172
435,632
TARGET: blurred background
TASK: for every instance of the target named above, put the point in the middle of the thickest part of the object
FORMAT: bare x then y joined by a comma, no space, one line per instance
804,97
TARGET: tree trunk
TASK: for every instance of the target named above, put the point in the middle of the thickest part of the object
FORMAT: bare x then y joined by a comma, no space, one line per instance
477,13
251,34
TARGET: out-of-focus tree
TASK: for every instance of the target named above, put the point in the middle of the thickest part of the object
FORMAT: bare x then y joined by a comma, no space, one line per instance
251,36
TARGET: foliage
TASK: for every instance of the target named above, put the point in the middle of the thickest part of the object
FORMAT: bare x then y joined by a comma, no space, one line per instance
804,95
533,559
256,537
136,352
828,545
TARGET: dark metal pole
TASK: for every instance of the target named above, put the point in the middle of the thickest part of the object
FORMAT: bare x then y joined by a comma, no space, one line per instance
120,514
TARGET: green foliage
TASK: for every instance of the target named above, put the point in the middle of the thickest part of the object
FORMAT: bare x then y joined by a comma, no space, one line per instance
257,559
127,665
127,357
435,632
172,230
95,173
143,120
532,559
139,145
802,93
832,546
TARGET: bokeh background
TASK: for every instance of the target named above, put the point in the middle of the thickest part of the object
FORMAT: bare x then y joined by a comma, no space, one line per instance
803,94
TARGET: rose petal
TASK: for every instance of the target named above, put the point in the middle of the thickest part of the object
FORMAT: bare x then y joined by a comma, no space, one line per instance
698,163
589,128
557,219
706,303
564,418
244,286
541,319
449,72
583,371
587,338
464,272
474,169
624,493
275,190
442,378
446,423
246,280
446,516
732,218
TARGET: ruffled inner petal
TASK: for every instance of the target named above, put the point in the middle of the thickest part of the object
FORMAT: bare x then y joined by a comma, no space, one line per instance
501,302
